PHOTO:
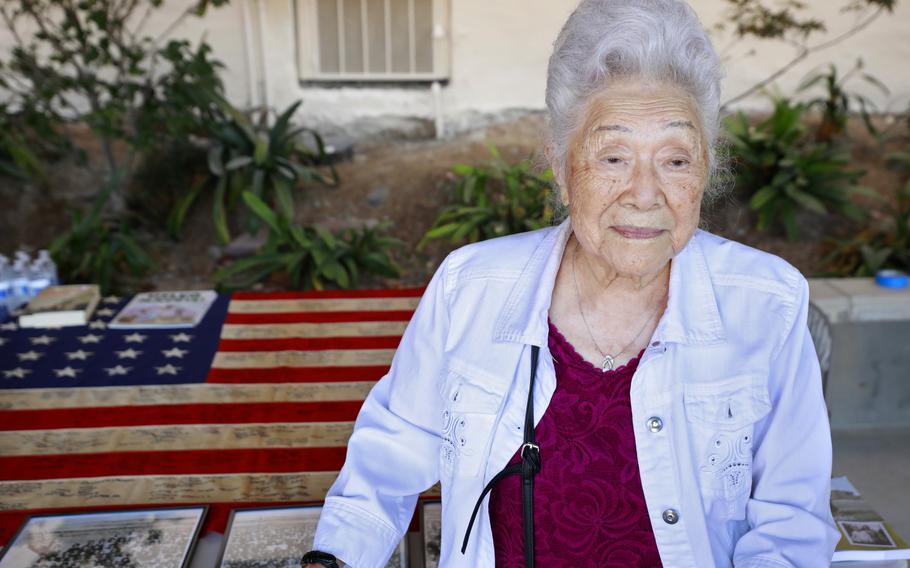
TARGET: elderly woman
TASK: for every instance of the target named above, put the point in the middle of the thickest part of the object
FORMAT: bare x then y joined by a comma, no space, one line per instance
633,391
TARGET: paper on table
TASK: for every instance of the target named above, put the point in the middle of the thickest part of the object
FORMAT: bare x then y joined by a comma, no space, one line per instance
865,535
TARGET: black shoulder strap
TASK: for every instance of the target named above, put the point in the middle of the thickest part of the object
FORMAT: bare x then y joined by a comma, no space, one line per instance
528,468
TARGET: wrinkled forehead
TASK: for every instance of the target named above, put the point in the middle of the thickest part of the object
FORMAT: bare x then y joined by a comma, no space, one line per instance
632,109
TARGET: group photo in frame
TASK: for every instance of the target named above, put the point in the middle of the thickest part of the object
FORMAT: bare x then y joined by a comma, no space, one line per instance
147,538
277,537
431,532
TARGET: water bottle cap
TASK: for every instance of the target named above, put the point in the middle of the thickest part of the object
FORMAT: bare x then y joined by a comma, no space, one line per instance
892,278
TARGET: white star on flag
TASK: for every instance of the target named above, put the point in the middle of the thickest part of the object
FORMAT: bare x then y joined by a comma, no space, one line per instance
128,353
18,372
181,338
175,352
118,370
97,325
111,300
29,356
135,338
104,312
79,354
90,338
67,372
167,370
2,342
42,340
9,326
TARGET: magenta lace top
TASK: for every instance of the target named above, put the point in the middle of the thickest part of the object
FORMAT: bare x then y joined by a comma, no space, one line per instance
589,508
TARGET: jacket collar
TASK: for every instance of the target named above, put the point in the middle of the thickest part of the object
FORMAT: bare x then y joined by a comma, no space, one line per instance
691,316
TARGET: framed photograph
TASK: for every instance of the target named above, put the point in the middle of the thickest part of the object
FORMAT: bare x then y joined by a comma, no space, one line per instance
277,538
153,538
867,533
431,529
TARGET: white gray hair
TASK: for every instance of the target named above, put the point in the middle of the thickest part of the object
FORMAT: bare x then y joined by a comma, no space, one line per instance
604,40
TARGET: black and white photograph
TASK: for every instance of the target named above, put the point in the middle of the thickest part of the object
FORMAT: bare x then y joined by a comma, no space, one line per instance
158,538
867,534
277,538
431,529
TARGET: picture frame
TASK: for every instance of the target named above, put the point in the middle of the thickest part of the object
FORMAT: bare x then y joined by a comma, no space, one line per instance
277,537
153,538
431,532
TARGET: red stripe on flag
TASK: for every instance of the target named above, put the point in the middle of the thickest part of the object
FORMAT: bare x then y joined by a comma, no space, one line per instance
155,415
317,317
187,462
329,294
296,374
309,343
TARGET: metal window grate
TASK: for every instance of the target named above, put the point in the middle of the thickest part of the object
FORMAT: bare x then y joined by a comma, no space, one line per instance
373,40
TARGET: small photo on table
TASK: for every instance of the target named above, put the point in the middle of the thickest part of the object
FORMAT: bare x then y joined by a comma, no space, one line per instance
277,538
152,538
431,528
867,533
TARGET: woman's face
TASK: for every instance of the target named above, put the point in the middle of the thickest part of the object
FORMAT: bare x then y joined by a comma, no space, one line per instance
635,174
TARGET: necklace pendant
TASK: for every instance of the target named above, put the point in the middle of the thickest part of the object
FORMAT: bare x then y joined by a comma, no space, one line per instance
607,364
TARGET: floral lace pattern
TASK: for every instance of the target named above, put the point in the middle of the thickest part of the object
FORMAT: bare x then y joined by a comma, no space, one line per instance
589,507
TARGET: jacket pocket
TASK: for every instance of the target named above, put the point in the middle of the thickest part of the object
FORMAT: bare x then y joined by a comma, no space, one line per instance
470,409
721,416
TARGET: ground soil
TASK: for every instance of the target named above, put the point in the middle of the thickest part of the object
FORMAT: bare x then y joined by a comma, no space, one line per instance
396,181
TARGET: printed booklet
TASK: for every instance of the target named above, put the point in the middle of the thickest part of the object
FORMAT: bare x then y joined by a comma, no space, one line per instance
151,310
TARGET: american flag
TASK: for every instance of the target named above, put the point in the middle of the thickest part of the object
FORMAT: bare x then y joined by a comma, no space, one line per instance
252,407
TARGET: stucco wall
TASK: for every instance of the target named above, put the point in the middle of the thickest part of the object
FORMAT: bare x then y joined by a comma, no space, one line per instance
499,54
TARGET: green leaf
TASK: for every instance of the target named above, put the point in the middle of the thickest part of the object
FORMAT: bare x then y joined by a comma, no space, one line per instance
261,210
762,197
218,212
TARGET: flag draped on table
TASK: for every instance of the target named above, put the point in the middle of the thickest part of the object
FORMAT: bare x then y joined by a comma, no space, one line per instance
252,407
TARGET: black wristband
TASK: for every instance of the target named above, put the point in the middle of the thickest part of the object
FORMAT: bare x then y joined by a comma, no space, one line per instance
322,558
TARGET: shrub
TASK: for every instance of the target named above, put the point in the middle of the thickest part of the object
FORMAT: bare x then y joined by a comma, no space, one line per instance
248,155
784,170
100,250
493,200
837,104
311,257
885,244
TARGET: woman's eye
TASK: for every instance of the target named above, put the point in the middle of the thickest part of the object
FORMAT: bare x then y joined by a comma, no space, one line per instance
613,160
679,163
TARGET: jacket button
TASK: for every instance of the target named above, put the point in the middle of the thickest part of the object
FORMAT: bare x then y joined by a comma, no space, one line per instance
671,517
655,424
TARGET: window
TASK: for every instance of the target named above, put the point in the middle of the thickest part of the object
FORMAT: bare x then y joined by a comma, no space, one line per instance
373,40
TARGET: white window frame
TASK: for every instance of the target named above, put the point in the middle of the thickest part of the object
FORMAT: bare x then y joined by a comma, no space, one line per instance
308,47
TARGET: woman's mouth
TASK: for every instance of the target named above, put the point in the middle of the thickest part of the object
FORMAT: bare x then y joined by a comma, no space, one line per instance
632,232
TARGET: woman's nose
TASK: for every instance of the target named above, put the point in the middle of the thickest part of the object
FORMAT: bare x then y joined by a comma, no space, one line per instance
644,192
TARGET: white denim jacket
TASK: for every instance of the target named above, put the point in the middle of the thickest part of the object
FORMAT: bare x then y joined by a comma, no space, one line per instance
730,425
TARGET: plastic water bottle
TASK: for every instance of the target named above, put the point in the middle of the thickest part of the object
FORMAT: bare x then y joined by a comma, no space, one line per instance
42,274
6,282
20,283
38,278
51,266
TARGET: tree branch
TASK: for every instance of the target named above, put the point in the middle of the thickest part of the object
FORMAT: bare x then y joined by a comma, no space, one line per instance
804,52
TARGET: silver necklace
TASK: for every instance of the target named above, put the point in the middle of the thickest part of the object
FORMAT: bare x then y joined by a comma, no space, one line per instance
608,360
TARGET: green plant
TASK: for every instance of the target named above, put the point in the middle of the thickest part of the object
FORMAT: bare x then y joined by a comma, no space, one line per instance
17,159
249,155
311,257
837,102
884,244
99,250
784,170
92,60
493,200
784,21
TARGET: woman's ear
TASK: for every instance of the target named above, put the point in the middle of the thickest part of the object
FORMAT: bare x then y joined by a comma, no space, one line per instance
558,173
